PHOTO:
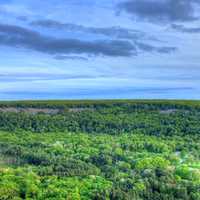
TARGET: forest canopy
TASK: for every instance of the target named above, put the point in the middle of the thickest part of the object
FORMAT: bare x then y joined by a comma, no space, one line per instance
100,150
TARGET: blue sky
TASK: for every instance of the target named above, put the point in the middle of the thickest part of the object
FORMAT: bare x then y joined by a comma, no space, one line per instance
83,49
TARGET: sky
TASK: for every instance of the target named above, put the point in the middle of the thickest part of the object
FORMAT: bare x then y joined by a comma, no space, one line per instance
99,49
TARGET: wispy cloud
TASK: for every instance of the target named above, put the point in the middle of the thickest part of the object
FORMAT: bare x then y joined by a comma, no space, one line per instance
185,29
63,57
114,32
150,48
24,77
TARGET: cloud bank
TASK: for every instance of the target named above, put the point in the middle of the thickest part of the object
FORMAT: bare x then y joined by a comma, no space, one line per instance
16,36
12,35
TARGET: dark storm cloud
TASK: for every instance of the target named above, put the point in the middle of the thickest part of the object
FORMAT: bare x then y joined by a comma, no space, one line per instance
184,29
16,36
116,32
161,10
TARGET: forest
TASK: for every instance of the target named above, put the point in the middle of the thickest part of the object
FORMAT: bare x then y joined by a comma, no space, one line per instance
100,150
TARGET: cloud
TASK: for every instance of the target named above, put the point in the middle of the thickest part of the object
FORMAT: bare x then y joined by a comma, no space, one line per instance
15,36
63,57
115,32
161,10
184,29
134,36
149,48
24,77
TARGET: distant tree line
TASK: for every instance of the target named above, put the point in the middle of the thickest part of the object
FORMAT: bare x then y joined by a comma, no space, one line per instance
111,120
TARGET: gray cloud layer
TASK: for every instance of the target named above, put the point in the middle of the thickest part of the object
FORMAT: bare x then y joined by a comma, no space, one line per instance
16,36
161,10
114,32
12,35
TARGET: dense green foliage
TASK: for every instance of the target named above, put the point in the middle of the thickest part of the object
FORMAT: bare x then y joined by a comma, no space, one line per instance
103,151
61,165
116,118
